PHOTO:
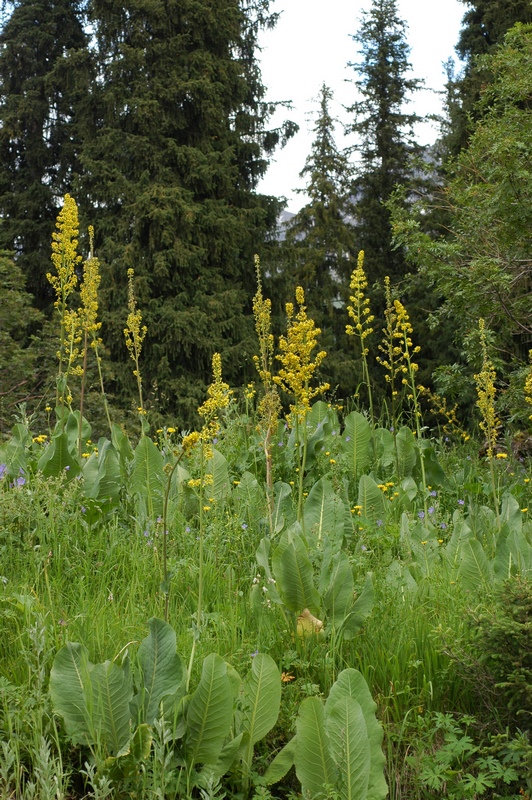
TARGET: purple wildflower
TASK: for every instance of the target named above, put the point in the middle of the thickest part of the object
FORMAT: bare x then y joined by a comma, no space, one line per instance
461,502
431,510
244,526
421,514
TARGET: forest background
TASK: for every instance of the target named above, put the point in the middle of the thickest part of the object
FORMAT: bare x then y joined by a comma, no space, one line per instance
153,116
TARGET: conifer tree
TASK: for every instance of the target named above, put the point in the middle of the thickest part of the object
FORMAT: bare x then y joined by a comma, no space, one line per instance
321,242
43,59
385,131
484,26
175,143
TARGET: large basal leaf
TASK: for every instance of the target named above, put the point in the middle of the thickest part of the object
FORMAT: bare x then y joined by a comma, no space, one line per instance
218,467
209,713
370,497
261,699
315,767
101,474
282,492
350,747
355,441
211,773
521,553
323,513
71,429
147,476
475,569
127,763
161,669
282,762
351,683
71,691
58,460
111,697
361,610
123,447
339,597
434,474
384,446
248,491
294,575
405,442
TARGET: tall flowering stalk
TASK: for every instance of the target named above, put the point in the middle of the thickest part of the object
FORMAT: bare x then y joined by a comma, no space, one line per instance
296,374
528,383
269,407
65,260
408,351
218,397
393,358
135,333
360,313
88,320
486,393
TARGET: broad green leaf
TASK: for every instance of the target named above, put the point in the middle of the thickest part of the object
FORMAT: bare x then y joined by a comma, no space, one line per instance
161,669
248,491
323,512
371,498
58,460
315,766
111,695
101,474
213,772
434,474
351,683
521,553
361,609
339,597
511,514
475,569
72,430
127,763
282,762
263,560
282,492
209,713
294,575
71,691
218,467
350,747
405,442
355,441
123,447
384,446
261,699
147,476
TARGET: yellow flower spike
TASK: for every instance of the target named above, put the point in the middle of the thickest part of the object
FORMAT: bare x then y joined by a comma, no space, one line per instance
298,368
135,333
486,392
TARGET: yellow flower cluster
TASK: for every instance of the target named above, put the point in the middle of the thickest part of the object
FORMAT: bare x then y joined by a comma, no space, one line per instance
396,329
359,310
134,331
486,392
528,383
262,311
64,251
218,393
298,367
88,312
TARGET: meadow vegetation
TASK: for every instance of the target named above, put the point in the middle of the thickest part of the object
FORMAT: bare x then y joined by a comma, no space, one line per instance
313,601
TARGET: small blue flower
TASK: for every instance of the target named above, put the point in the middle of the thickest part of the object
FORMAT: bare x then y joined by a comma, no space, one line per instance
434,493
421,514
461,502
348,438
244,526
187,529
443,526
431,510
379,523
3,468
254,653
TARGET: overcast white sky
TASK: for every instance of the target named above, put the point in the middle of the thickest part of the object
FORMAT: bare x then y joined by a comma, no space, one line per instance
311,44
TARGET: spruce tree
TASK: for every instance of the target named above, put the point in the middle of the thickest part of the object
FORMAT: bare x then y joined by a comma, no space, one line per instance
385,131
320,244
174,145
484,26
43,59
